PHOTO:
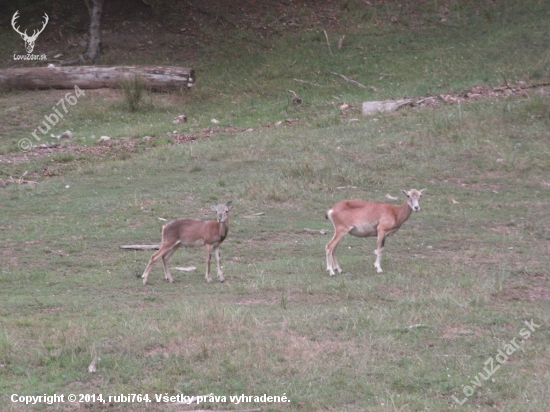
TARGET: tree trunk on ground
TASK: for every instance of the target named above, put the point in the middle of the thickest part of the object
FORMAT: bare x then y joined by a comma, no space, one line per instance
96,77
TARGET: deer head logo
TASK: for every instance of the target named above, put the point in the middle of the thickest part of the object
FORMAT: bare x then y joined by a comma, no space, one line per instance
29,40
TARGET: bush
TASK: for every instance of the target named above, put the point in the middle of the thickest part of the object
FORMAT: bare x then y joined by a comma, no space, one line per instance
133,88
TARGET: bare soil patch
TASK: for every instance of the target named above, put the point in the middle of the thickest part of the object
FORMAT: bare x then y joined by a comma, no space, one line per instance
526,287
274,298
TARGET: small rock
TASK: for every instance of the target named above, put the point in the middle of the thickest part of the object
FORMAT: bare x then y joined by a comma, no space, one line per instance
47,145
375,107
92,366
67,134
215,121
180,119
104,139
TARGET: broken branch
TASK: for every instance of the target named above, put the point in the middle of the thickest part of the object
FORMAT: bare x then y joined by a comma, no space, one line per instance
139,247
348,79
328,43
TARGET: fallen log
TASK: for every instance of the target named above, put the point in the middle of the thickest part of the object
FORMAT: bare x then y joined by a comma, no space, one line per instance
375,107
96,77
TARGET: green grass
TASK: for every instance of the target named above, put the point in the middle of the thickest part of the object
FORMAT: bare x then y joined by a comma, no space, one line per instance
460,277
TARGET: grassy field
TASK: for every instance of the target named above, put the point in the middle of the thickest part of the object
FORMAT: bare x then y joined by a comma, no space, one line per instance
443,328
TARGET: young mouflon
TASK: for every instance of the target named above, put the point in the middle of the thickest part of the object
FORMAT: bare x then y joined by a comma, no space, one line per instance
193,233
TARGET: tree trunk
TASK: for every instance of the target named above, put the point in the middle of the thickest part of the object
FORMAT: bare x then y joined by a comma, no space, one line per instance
95,8
96,77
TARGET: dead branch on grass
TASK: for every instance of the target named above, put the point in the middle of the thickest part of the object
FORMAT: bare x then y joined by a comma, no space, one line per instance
348,79
341,41
505,81
390,197
185,269
253,216
19,181
328,43
351,187
140,247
